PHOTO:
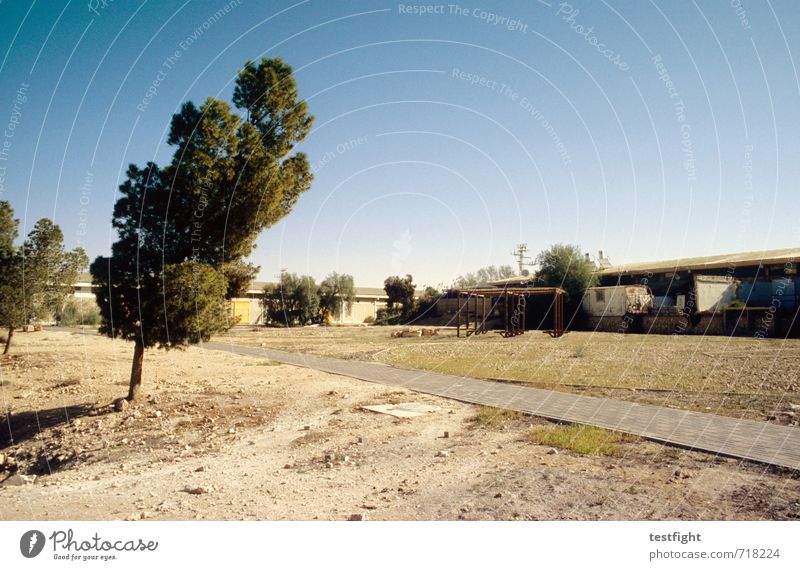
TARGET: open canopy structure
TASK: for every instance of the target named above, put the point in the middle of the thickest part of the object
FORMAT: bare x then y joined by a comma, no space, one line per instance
474,302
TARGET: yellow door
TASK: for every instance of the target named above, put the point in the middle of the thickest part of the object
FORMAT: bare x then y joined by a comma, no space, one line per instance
241,312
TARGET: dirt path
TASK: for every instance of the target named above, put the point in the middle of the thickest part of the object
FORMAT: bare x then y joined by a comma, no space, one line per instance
222,436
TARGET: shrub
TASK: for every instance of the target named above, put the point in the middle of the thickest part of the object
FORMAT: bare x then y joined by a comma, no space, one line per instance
388,316
77,312
370,320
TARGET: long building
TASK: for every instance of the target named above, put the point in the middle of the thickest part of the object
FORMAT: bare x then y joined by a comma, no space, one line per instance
250,312
760,298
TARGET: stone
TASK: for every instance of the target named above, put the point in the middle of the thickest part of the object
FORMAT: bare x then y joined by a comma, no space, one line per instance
200,469
200,490
330,456
121,404
552,451
446,435
2,459
17,480
358,517
442,453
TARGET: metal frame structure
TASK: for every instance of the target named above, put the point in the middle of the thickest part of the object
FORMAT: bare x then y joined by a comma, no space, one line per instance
514,302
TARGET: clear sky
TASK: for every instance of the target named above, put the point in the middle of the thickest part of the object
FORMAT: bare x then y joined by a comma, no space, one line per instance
444,134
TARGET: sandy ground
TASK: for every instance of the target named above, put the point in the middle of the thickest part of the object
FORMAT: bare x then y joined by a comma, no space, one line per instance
221,436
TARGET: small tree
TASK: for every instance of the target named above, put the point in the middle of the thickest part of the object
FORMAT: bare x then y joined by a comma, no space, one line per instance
37,278
425,306
566,267
50,271
184,230
336,291
12,302
400,291
293,300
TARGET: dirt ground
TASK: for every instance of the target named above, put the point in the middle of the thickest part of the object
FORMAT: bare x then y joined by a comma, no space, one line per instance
221,436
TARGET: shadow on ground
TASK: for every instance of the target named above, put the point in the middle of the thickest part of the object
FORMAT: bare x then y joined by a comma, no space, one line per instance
16,428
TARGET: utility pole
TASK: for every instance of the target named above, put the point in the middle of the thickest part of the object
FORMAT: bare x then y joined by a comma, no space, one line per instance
522,259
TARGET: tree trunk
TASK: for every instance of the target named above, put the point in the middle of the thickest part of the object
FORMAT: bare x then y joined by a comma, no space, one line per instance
136,371
8,340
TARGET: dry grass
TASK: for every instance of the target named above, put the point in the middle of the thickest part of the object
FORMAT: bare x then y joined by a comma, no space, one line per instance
493,418
584,440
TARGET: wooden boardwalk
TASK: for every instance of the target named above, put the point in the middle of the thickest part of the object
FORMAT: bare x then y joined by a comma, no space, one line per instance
746,439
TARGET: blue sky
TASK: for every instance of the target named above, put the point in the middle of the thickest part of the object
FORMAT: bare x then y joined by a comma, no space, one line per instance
649,130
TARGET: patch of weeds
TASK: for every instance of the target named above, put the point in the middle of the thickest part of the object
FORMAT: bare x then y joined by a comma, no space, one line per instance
632,490
396,397
266,363
584,440
493,418
671,452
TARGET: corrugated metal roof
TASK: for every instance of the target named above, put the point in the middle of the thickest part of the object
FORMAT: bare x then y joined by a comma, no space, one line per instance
750,258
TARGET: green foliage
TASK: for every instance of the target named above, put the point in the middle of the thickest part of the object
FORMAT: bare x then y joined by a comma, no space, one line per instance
493,418
230,178
269,93
227,182
565,266
400,291
50,272
9,229
388,316
336,291
293,300
369,320
425,305
76,312
37,277
582,439
194,303
484,275
12,302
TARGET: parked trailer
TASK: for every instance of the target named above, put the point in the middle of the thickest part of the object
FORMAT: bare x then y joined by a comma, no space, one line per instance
617,300
712,293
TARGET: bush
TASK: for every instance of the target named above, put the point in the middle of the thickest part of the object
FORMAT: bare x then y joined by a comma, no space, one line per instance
370,320
391,316
77,312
